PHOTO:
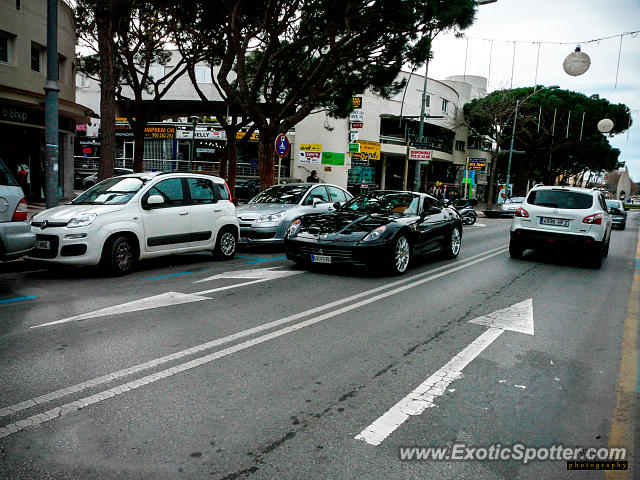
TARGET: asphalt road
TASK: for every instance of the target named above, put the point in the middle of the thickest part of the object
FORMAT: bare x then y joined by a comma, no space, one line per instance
277,378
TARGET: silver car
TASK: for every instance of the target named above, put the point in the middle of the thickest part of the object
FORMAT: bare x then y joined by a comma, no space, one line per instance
618,213
266,217
16,238
510,205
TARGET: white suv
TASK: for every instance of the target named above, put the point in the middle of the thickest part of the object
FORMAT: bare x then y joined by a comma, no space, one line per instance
562,216
144,215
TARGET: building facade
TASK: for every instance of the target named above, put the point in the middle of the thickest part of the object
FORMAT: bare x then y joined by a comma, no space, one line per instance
23,34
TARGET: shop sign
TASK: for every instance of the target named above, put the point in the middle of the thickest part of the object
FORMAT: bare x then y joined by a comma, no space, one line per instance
356,116
354,148
476,164
312,147
356,102
255,136
201,134
357,125
371,148
360,159
353,136
419,154
14,114
331,158
308,156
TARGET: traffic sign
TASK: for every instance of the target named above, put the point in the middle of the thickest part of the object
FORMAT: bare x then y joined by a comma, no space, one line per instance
282,145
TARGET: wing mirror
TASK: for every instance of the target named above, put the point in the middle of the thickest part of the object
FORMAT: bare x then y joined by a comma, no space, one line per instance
337,205
154,201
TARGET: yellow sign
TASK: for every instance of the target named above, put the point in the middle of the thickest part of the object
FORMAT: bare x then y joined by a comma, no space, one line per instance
372,148
357,102
255,136
311,147
124,119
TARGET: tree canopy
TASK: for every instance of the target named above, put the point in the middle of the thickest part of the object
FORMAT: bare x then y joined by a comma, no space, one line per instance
278,61
556,128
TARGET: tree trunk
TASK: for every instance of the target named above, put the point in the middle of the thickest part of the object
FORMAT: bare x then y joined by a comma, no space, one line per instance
138,146
224,162
106,49
266,156
232,158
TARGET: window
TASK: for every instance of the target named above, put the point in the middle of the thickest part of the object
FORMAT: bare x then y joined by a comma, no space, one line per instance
203,74
336,194
4,49
445,104
427,99
561,199
170,190
201,191
6,179
17,4
35,57
318,192
156,72
460,145
83,81
223,193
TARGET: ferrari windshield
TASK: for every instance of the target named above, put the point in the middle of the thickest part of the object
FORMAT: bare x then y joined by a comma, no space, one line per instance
113,191
290,194
384,202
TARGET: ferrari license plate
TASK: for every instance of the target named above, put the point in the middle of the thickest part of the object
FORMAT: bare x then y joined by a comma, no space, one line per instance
557,222
43,245
320,258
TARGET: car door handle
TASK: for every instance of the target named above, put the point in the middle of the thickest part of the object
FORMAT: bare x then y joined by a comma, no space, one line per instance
217,209
183,212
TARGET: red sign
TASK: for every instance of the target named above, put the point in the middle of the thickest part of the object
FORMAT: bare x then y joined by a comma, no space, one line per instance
418,154
357,125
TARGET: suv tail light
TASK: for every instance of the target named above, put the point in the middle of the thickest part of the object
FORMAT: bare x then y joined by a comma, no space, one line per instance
593,219
20,215
521,212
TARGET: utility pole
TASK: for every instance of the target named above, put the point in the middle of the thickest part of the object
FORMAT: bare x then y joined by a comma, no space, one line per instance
51,90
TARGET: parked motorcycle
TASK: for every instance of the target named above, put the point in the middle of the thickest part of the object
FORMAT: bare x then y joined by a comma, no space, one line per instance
465,210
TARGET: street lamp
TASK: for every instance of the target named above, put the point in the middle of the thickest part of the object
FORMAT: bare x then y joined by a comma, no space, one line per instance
513,132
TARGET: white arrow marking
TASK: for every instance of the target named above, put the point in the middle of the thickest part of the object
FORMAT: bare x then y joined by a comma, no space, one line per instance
518,317
162,300
262,273
175,298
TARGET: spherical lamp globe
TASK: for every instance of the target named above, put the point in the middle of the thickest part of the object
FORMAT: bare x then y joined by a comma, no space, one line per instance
605,125
576,63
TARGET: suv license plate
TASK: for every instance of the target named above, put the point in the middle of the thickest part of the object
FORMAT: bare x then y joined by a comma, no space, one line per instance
558,222
43,245
320,259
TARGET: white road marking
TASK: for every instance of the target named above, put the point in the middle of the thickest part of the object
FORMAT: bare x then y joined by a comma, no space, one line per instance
264,273
518,317
176,298
77,405
157,301
424,395
477,225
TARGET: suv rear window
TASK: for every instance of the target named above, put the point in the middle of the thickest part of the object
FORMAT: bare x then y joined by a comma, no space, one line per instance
560,199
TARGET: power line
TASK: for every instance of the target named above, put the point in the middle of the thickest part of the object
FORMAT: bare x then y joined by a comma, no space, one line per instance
533,42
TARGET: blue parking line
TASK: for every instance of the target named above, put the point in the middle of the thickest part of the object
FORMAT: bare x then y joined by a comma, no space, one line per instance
252,258
17,299
267,259
173,275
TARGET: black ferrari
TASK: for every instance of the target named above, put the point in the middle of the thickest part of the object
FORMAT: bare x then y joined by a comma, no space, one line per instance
379,228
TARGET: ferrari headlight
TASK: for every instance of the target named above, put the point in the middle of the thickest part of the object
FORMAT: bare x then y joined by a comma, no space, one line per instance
82,221
375,234
292,231
274,217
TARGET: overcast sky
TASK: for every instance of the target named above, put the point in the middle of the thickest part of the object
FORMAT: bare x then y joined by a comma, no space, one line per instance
554,21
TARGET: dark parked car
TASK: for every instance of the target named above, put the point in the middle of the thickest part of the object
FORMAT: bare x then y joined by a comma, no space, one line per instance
247,190
379,228
91,180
